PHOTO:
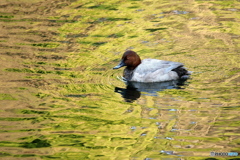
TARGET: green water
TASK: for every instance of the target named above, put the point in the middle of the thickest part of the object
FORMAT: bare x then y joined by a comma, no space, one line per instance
58,96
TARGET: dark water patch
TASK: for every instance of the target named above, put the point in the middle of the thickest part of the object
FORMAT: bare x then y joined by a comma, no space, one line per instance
41,33
51,57
77,95
98,35
48,45
106,19
66,132
134,36
17,119
50,102
41,95
6,16
62,98
25,155
16,27
75,144
76,35
85,42
20,80
92,107
133,7
62,69
116,35
42,104
77,17
37,81
33,112
73,75
51,22
155,29
79,6
106,7
98,43
55,105
71,136
42,118
42,71
96,147
9,47
36,143
41,62
22,88
62,21
64,126
52,157
99,155
68,42
176,53
226,19
55,50
13,20
118,19
121,138
66,15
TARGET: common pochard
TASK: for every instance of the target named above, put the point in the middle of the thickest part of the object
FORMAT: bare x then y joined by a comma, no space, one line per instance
150,70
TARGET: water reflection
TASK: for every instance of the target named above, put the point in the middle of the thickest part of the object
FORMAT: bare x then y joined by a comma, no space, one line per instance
133,90
55,97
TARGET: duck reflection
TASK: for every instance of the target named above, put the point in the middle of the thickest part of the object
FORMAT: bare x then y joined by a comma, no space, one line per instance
134,90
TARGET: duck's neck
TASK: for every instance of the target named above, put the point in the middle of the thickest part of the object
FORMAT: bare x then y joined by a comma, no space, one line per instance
130,68
128,73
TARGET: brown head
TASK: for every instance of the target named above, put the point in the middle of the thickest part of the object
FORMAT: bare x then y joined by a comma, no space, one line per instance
129,59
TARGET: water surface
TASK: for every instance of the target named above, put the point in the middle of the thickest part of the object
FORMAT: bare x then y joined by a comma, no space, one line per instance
60,98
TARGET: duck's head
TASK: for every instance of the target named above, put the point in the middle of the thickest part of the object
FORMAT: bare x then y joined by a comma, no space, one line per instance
129,59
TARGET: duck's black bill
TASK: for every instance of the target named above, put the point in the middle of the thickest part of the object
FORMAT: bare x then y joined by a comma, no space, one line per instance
121,64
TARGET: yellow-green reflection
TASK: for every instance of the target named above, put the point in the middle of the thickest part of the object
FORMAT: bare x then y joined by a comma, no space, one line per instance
60,97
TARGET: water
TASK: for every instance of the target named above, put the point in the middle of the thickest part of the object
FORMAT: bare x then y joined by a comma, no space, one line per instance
60,98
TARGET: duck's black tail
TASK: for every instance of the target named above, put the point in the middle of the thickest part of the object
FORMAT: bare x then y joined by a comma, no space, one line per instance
181,71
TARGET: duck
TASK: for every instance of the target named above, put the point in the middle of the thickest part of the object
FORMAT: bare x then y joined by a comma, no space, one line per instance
150,70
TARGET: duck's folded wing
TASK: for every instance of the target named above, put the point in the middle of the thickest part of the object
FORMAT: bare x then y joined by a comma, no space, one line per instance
151,65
